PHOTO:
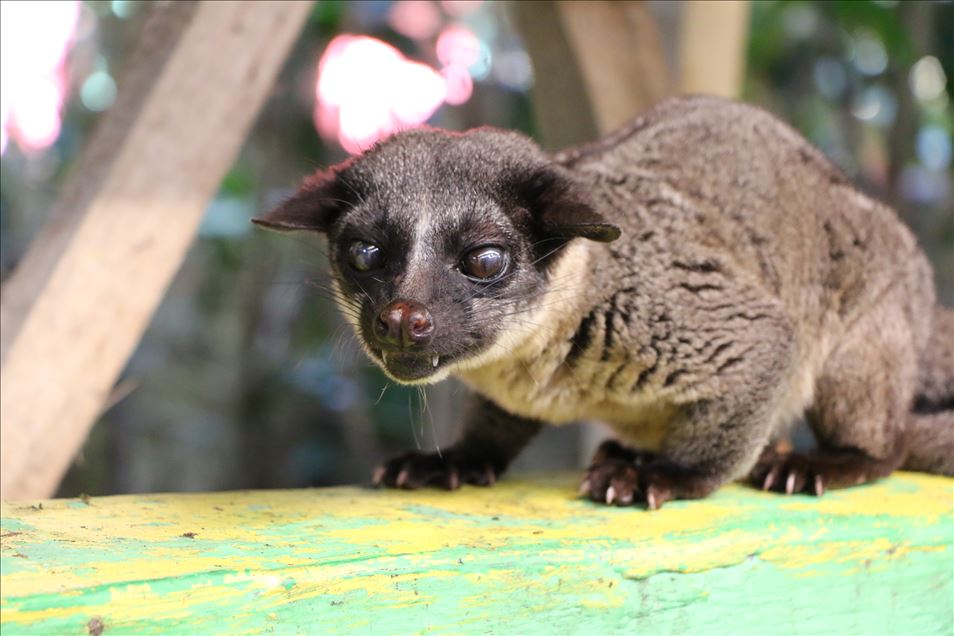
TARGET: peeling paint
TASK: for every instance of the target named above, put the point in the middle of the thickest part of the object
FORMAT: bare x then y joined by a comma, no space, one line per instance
523,557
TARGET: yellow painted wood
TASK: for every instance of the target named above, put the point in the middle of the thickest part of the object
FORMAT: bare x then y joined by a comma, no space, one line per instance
523,557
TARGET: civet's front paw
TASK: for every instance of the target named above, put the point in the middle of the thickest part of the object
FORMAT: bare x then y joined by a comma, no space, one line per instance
622,476
417,469
620,483
814,473
788,473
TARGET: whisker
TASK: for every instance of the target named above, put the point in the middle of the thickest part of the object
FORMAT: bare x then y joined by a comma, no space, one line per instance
387,385
410,418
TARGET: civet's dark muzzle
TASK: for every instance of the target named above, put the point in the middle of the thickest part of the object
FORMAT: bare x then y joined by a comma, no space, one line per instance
404,325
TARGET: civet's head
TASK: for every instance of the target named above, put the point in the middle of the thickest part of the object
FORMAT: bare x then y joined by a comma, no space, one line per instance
441,243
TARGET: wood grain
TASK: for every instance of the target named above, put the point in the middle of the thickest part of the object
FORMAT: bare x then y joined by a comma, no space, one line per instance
77,305
597,64
619,51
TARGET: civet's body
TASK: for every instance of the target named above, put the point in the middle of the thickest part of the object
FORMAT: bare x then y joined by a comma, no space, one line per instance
699,281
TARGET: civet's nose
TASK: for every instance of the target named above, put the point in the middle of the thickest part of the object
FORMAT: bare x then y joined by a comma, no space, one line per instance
404,324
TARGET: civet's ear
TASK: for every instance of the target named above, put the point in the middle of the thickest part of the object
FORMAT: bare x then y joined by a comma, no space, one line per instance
561,207
318,203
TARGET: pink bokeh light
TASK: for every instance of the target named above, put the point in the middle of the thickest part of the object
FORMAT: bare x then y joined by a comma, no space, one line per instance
459,84
368,90
457,46
457,50
417,19
458,8
35,38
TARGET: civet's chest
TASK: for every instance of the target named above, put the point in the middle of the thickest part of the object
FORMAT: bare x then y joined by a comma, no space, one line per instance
547,387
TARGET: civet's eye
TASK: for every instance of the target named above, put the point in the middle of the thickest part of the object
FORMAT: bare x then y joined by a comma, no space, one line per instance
484,263
365,256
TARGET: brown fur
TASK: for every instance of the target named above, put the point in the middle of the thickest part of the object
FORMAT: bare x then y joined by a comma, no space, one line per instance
755,280
753,285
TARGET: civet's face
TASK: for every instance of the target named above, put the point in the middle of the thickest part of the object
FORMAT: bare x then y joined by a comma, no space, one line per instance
440,242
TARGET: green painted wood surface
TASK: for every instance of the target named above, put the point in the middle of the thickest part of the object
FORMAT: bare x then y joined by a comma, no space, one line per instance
523,557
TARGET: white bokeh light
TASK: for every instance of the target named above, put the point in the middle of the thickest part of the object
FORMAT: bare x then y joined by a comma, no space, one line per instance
927,79
35,38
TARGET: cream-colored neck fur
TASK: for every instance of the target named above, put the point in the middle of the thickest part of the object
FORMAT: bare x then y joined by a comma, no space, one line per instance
555,315
524,372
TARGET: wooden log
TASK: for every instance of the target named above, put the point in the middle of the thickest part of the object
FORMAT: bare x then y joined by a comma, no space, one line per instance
524,557
597,64
561,108
77,305
618,48
712,44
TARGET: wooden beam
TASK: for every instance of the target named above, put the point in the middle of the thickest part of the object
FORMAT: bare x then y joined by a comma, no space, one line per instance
75,308
620,53
561,108
596,65
523,557
712,43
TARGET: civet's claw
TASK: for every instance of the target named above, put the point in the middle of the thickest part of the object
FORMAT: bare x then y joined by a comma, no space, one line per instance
652,503
453,479
584,488
790,483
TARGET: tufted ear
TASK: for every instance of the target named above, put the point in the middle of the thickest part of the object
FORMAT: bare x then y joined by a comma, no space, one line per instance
561,207
315,207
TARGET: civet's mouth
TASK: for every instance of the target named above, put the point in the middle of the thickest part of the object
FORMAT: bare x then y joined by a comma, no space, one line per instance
411,367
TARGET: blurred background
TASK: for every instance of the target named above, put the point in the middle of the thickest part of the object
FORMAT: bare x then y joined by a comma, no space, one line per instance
247,376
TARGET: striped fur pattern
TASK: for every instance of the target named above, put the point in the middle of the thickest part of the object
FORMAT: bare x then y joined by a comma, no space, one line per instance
752,286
